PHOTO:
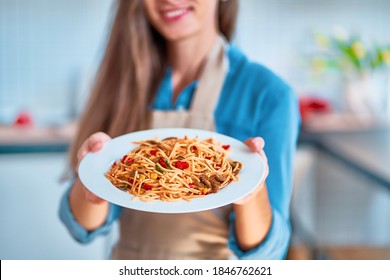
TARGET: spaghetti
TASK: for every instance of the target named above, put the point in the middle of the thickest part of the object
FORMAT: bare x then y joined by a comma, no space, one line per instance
174,169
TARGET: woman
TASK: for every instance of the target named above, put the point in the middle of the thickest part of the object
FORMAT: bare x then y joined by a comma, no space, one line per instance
168,64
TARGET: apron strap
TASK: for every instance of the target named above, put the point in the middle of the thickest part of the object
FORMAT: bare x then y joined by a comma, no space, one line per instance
211,79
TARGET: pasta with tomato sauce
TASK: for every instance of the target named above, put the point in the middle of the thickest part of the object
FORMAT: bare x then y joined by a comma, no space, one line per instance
174,169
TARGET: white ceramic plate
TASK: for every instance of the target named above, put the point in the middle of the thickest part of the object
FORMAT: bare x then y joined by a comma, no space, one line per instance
94,166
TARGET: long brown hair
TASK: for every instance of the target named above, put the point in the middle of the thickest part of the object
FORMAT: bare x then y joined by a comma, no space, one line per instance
131,69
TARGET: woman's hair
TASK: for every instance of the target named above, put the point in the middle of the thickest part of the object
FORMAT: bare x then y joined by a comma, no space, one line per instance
132,67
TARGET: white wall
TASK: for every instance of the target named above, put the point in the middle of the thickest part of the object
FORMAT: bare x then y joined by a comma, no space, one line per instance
47,51
277,33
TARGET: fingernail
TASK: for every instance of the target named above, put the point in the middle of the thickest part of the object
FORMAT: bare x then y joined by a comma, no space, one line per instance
260,142
96,146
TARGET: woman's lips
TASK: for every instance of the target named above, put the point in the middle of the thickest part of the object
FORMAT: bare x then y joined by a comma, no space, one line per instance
174,14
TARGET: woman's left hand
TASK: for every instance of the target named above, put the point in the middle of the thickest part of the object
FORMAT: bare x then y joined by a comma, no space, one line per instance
256,145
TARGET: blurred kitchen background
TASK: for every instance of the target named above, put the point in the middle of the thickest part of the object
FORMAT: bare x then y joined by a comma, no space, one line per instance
335,53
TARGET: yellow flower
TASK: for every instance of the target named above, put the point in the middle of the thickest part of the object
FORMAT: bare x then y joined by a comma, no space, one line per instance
386,56
358,49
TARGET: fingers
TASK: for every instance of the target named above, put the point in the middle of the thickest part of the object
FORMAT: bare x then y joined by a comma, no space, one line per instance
255,144
93,144
80,191
89,196
244,200
97,140
92,197
250,196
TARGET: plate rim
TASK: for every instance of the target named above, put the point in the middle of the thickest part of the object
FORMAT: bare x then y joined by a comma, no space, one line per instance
167,207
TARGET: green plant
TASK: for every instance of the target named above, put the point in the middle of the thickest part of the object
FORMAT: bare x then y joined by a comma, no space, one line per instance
348,55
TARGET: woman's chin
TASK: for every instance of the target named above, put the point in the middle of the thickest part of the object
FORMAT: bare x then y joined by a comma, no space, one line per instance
179,35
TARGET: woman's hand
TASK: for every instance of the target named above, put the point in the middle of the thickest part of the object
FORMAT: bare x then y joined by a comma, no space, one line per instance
253,212
89,210
93,144
256,145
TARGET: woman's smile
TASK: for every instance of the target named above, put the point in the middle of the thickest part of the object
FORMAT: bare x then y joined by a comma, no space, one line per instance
174,15
176,20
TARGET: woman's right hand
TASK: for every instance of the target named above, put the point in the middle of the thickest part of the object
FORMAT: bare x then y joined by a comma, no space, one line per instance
93,144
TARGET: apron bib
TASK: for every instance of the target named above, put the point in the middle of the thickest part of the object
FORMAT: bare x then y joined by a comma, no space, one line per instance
199,235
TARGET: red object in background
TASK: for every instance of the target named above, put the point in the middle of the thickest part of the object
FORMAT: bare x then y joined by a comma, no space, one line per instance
309,105
23,119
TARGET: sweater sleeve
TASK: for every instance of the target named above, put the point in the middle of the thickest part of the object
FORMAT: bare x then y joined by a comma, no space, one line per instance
278,124
79,233
273,247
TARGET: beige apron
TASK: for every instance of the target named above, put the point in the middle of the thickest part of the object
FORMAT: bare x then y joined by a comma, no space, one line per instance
199,235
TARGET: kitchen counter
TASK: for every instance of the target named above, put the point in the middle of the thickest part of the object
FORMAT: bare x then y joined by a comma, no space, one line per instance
367,151
14,139
342,196
362,142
